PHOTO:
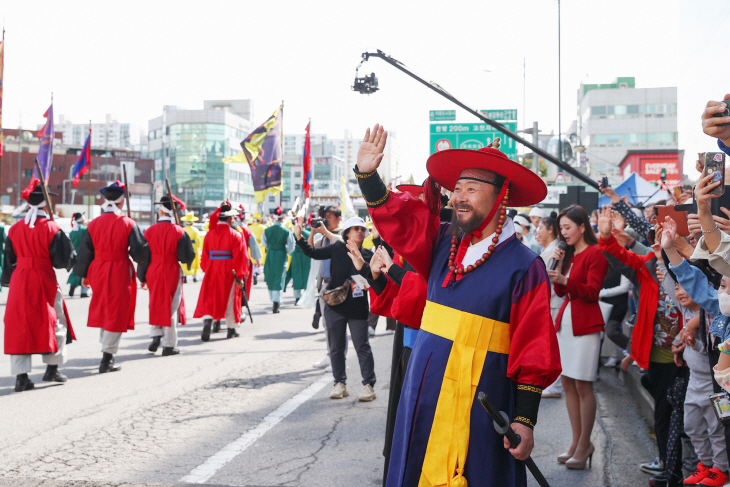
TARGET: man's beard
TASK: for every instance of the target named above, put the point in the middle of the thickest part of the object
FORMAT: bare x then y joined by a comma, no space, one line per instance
472,223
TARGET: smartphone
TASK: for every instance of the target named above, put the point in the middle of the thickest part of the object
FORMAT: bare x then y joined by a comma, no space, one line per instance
604,182
715,165
678,216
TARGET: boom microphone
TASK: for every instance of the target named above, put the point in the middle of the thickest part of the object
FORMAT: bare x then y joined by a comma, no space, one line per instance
562,245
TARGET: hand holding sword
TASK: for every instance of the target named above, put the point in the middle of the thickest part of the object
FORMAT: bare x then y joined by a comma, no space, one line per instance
242,286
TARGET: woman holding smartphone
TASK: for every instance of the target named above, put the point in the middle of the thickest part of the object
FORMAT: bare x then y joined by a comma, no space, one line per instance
578,279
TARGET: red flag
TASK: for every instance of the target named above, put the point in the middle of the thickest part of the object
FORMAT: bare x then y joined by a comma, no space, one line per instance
307,164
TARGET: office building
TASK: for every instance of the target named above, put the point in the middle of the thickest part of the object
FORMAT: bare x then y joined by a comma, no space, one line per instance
619,117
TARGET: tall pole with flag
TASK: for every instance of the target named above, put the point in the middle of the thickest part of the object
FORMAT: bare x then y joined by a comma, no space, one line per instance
45,151
263,152
307,162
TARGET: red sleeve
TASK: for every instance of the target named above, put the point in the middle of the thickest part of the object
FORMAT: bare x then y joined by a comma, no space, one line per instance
411,301
408,226
534,357
381,304
588,290
631,259
240,254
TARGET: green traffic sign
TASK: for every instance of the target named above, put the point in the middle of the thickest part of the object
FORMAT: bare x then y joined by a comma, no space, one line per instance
509,114
471,136
442,115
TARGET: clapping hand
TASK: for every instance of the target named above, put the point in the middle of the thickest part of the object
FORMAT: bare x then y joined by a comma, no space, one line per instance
618,221
668,234
377,265
371,153
355,255
298,230
385,257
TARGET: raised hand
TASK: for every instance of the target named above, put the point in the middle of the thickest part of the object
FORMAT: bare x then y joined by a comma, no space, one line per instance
694,226
385,257
298,230
355,255
376,264
669,233
723,223
605,217
703,195
622,237
712,125
618,221
371,149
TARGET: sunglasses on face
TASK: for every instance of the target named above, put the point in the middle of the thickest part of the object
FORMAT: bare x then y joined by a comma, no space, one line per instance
358,229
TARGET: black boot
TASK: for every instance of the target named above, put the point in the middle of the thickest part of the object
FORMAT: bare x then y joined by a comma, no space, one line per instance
155,344
216,326
185,279
232,333
255,281
276,307
71,291
195,278
206,330
170,351
108,364
23,383
53,375
84,292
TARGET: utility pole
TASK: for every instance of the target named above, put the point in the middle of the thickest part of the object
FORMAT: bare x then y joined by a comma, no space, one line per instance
560,121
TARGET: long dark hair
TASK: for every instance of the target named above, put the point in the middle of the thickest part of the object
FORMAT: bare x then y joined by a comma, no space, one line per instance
577,214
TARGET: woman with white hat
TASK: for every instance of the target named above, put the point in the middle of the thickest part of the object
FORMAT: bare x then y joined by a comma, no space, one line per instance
349,308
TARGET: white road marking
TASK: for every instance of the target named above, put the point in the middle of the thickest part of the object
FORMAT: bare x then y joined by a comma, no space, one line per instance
202,473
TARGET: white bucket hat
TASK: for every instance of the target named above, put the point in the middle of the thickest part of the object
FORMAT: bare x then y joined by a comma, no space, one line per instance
354,221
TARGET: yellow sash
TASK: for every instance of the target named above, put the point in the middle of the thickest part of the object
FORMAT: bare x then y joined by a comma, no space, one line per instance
473,337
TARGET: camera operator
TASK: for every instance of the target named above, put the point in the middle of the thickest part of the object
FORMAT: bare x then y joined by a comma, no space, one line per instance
350,311
331,217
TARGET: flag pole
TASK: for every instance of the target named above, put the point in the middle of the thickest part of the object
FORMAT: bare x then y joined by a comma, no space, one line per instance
53,138
281,114
88,199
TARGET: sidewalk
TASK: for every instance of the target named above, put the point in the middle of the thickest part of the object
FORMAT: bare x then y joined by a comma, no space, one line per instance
621,437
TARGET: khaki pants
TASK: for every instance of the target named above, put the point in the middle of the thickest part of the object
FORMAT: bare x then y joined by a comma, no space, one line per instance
169,333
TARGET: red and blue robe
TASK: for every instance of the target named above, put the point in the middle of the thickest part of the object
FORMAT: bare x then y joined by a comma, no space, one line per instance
490,331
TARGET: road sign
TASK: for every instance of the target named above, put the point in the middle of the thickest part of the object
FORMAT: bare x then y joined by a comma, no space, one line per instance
442,115
509,114
471,136
560,178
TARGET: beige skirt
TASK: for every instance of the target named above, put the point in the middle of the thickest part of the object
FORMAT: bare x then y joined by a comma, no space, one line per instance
578,355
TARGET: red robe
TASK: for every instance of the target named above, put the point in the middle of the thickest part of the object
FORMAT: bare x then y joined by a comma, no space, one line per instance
405,303
111,274
249,279
223,251
163,274
30,317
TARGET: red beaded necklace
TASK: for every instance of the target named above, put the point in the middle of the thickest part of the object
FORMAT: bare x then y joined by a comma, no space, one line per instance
455,242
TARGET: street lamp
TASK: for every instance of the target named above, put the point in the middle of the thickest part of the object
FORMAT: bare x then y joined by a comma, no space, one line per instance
360,87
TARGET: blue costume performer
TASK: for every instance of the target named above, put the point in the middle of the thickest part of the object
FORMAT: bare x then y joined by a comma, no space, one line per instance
486,326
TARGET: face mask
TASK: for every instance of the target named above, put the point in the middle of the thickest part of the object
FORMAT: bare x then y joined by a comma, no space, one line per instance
724,300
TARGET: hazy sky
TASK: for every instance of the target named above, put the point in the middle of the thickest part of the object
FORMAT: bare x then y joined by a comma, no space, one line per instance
131,58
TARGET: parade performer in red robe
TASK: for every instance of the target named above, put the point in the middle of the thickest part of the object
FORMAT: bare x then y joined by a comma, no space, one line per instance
486,325
36,320
224,251
104,266
169,244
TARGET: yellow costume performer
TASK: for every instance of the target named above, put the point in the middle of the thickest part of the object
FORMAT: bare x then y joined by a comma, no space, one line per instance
197,239
258,229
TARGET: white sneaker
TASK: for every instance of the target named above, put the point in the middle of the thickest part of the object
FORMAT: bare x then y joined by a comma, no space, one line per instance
390,332
339,391
554,390
610,362
367,394
322,363
371,331
328,368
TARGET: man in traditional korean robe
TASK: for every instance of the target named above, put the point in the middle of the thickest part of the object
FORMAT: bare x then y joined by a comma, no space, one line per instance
486,326
169,244
78,223
224,251
197,240
35,315
104,266
279,244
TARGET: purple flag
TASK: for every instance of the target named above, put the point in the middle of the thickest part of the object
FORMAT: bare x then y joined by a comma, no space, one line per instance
45,152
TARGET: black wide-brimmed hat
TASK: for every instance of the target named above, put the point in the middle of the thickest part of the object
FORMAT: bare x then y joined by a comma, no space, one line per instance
34,193
114,191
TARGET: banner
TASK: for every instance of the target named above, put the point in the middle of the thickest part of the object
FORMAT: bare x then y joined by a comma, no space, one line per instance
307,162
45,152
83,162
263,153
346,207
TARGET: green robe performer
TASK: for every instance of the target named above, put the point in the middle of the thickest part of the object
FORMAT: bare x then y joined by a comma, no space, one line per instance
279,242
77,234
298,271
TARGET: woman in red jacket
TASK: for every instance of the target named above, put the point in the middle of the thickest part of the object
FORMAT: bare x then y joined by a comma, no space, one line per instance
578,279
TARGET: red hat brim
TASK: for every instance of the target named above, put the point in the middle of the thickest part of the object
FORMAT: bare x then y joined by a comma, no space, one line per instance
525,187
413,189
